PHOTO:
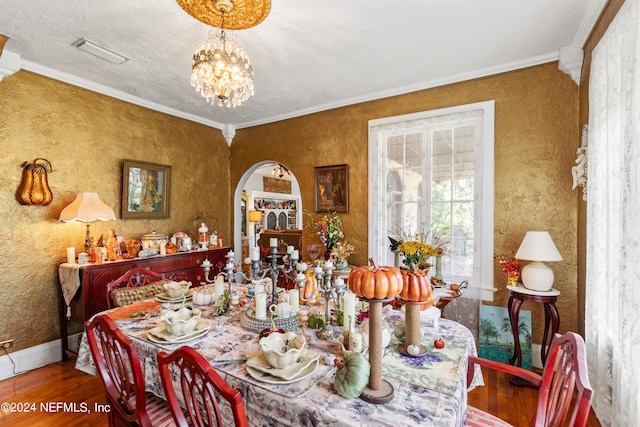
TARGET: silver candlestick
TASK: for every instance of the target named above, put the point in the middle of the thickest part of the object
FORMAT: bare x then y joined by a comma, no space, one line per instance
327,289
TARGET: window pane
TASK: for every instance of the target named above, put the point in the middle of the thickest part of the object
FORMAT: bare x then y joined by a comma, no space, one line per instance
464,163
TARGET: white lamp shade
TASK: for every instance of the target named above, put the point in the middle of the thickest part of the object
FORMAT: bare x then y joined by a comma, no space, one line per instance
87,207
538,246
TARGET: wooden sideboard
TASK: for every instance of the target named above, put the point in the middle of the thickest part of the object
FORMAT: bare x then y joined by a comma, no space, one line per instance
91,296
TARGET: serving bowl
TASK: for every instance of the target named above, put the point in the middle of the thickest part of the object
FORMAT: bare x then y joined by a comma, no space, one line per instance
182,321
177,289
282,350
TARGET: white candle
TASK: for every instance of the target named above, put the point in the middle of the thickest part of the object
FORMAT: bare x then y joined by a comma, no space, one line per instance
328,265
349,304
294,300
295,254
261,306
289,250
219,287
273,242
206,263
258,289
71,255
163,249
255,254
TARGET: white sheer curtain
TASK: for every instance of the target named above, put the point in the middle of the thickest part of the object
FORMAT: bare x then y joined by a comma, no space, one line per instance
613,222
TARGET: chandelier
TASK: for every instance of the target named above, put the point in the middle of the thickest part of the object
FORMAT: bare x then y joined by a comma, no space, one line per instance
221,69
280,171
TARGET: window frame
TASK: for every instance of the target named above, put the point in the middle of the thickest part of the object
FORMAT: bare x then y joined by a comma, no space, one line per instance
483,191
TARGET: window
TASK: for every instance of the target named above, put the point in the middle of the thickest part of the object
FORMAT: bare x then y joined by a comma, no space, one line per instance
435,169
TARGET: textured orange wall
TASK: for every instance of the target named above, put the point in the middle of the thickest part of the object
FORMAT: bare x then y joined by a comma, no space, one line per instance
536,131
86,136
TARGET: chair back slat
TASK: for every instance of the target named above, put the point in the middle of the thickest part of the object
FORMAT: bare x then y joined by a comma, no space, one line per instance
119,368
564,376
134,278
201,388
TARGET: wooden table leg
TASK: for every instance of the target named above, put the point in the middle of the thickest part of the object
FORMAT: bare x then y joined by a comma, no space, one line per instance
514,311
551,317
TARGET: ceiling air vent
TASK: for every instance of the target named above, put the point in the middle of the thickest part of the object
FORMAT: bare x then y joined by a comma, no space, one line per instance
99,51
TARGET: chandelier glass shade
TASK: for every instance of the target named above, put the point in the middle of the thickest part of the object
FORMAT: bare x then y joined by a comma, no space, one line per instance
281,171
222,72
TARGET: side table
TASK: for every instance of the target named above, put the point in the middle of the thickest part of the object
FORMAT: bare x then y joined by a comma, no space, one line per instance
518,294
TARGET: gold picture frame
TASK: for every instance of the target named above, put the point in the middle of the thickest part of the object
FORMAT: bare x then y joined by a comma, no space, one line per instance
332,188
146,190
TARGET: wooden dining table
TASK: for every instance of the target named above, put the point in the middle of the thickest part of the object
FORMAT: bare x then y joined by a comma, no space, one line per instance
429,390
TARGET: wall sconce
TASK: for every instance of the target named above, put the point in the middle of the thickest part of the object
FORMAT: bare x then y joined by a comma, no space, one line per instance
538,247
34,186
87,207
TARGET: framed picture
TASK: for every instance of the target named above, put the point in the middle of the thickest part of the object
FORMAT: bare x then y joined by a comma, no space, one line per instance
146,190
332,188
275,185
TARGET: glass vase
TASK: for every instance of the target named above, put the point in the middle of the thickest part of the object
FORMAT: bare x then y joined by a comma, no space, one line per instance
438,275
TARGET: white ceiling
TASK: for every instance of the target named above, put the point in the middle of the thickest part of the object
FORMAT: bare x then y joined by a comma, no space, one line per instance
307,56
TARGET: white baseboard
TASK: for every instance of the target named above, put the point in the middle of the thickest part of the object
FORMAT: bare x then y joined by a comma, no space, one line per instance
34,357
536,360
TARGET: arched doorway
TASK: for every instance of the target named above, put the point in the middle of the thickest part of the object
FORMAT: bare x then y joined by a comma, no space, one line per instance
254,175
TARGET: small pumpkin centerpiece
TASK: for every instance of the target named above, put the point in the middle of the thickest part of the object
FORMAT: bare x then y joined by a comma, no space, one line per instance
354,376
416,287
380,283
377,285
417,293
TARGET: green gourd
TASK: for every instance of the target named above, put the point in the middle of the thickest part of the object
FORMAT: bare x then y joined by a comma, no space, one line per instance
354,376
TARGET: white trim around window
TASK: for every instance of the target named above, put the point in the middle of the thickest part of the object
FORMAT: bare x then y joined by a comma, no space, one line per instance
481,114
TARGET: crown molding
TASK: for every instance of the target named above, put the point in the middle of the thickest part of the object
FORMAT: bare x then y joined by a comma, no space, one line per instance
114,93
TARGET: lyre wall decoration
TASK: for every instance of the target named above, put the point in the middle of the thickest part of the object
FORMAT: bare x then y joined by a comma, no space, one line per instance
34,186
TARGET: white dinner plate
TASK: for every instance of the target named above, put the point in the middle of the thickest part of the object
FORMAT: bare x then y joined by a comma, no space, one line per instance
160,335
163,297
259,369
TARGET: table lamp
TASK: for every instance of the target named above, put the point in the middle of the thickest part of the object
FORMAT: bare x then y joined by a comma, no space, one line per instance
87,207
255,217
538,247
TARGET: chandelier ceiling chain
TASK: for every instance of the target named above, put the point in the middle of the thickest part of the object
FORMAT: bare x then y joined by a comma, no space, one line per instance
221,69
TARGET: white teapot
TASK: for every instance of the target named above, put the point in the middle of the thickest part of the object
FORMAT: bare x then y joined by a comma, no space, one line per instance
282,310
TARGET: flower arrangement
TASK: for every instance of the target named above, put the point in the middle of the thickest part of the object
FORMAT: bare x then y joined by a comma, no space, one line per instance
341,252
417,253
415,247
510,267
329,229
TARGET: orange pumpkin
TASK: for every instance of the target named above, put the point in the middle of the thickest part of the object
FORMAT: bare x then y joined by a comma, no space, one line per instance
375,283
416,287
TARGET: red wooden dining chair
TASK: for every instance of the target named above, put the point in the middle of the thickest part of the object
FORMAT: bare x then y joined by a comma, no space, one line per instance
200,385
134,278
564,383
119,368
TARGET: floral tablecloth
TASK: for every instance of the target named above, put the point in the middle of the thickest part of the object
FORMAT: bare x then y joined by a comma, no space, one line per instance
428,391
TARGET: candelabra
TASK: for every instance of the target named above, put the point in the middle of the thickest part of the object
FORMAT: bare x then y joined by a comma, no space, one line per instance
259,271
228,271
328,289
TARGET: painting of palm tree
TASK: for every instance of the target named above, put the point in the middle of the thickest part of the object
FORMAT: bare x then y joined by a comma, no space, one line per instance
496,339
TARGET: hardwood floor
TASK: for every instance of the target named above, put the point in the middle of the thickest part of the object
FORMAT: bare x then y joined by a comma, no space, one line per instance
36,396
45,391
